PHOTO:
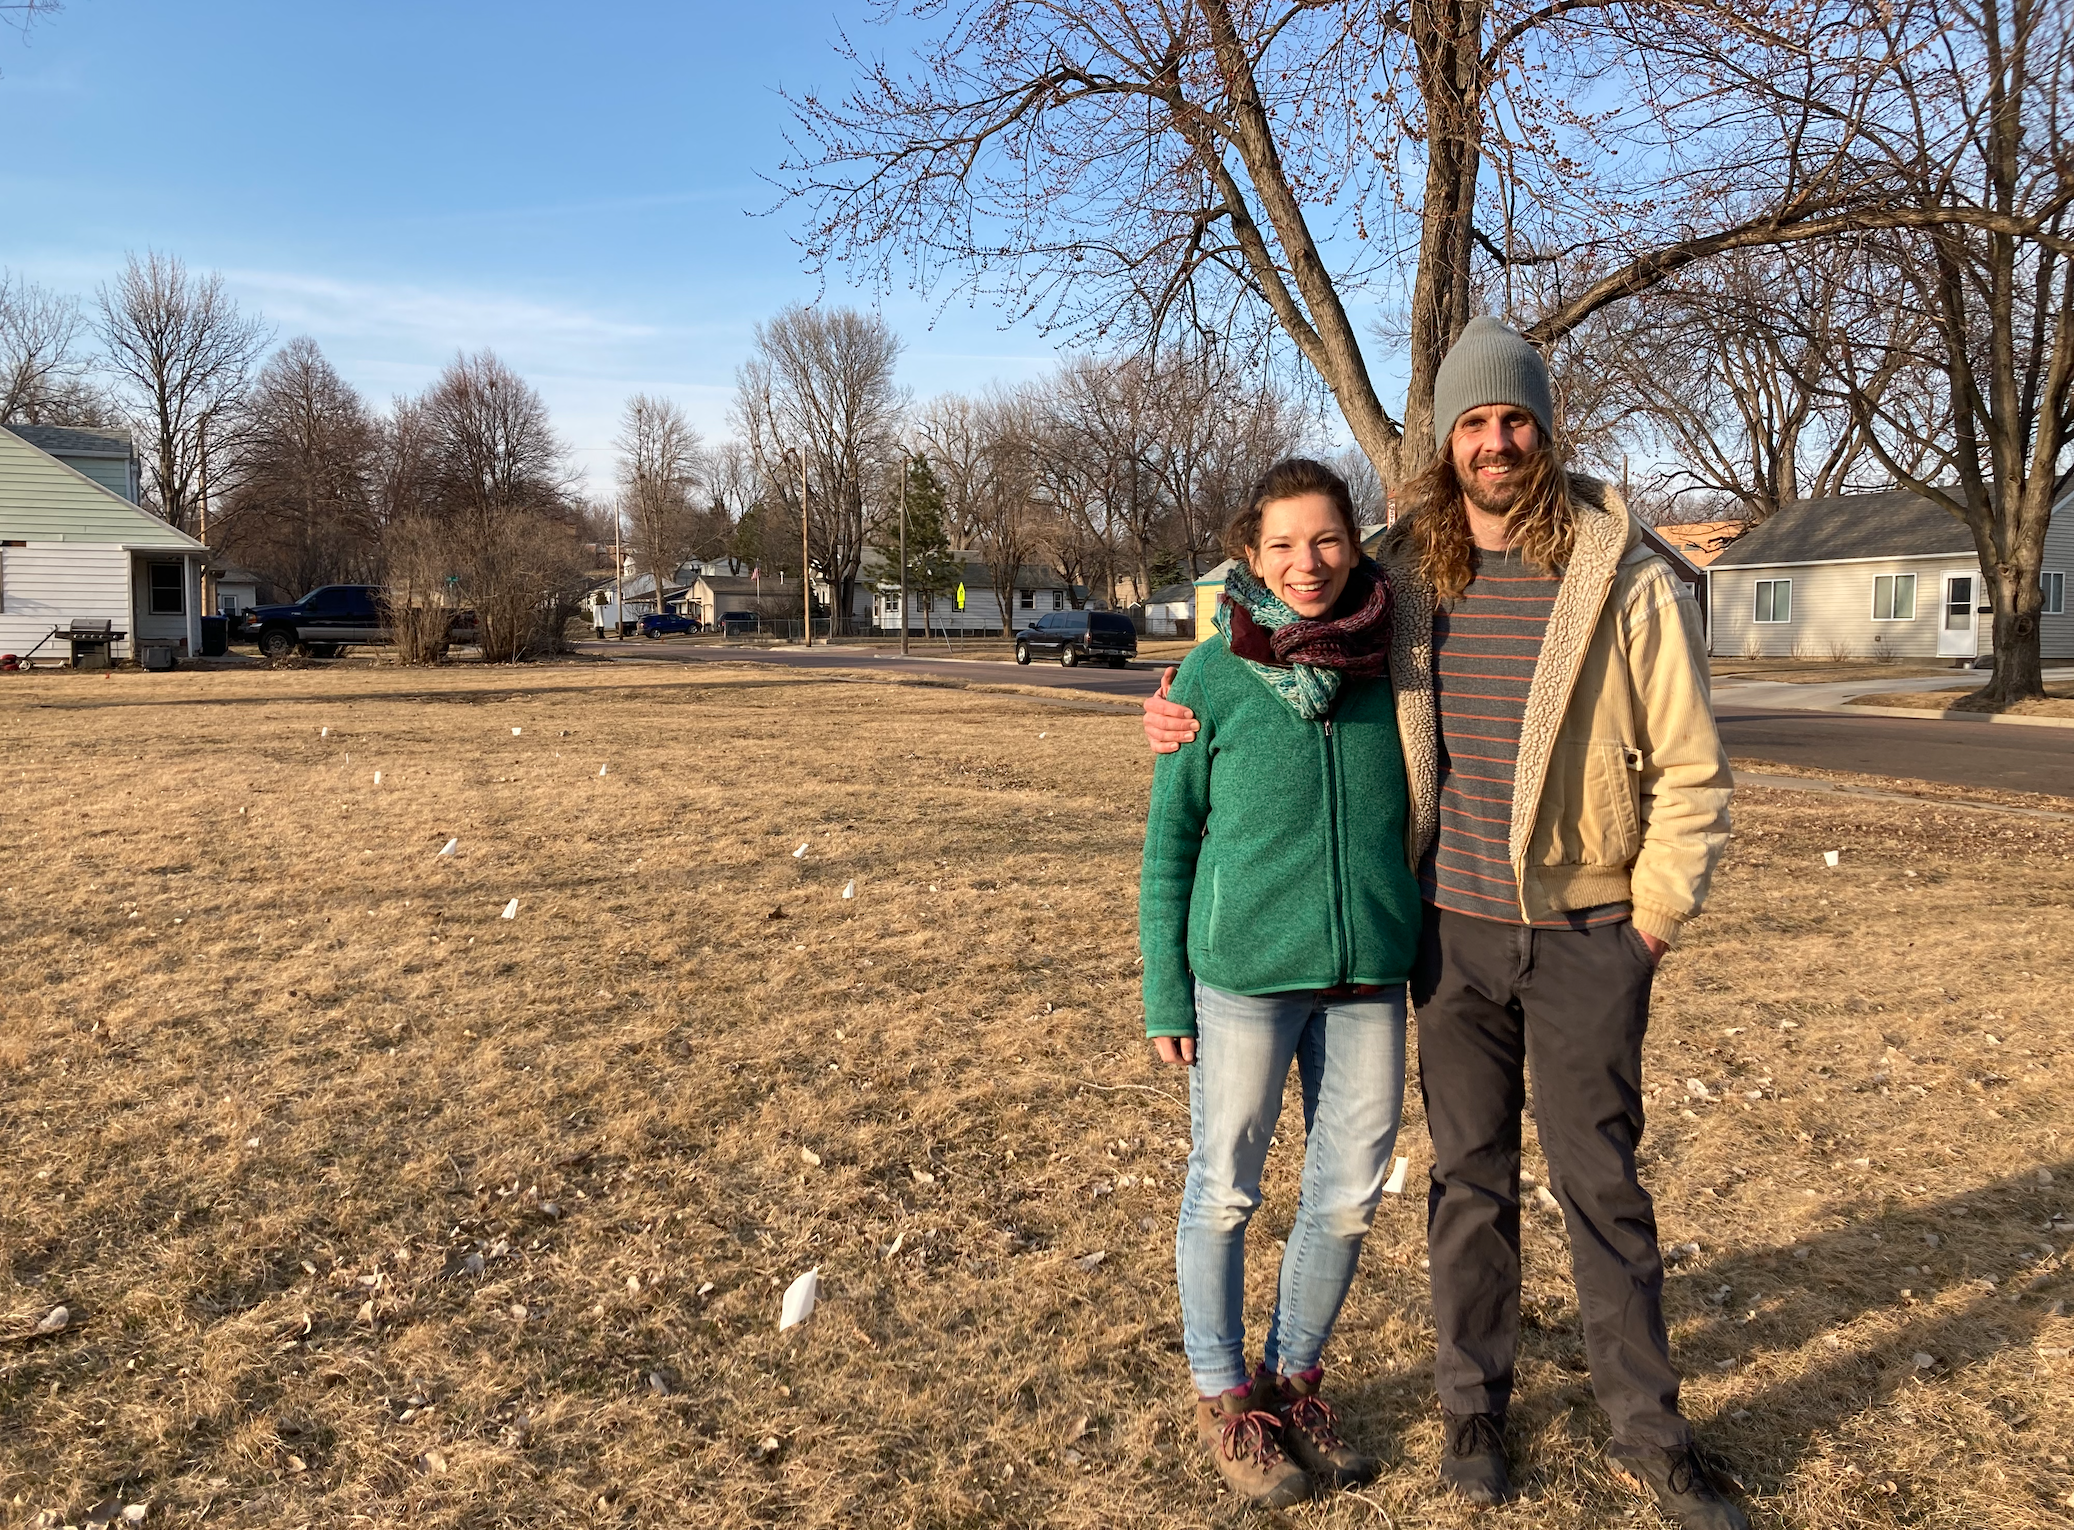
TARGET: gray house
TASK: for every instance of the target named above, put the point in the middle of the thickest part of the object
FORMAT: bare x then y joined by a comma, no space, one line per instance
1872,576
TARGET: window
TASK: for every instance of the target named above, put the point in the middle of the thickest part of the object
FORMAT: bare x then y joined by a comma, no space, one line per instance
1058,600
1894,598
2054,587
892,605
1775,600
168,590
1026,600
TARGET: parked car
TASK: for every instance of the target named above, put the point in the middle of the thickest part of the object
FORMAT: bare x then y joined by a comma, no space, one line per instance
327,621
655,624
737,623
1075,637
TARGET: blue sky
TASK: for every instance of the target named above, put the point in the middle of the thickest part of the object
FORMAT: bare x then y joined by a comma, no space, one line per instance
569,185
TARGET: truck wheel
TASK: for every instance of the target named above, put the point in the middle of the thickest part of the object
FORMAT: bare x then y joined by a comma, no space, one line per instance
1069,658
1022,653
277,642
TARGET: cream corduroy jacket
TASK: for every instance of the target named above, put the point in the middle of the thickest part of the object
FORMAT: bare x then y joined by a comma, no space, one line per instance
1622,788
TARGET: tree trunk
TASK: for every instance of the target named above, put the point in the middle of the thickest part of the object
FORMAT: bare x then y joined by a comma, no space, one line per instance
1449,37
2019,673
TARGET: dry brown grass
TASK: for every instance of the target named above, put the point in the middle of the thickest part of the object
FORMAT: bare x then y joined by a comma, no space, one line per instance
275,1072
2054,703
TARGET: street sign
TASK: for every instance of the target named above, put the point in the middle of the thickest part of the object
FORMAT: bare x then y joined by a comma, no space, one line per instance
961,595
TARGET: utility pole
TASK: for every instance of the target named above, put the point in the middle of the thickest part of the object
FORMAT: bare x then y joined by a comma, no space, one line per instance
619,580
806,583
204,439
904,459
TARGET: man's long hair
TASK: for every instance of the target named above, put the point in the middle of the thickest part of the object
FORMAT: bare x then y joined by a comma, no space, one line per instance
1542,523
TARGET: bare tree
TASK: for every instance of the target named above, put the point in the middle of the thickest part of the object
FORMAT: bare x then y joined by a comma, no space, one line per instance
1133,167
40,360
303,509
181,354
1002,520
1980,121
488,473
659,471
820,389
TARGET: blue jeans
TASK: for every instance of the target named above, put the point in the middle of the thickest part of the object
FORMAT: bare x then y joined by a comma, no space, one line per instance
1349,1053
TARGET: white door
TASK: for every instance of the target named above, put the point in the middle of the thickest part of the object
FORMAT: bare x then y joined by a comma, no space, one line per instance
1956,628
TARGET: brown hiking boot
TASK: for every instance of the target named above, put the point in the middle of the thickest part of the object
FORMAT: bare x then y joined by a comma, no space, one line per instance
1245,1443
1310,1431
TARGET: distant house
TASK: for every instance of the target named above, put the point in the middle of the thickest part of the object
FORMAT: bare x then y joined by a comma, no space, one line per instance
1872,575
1700,542
1033,592
1209,589
1170,611
75,549
236,589
712,596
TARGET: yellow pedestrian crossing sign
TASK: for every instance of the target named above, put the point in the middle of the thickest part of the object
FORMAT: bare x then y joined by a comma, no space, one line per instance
961,595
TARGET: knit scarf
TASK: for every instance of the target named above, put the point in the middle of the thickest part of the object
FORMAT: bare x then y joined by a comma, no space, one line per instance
1301,659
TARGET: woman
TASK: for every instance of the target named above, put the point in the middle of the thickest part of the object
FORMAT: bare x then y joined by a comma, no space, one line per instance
1275,928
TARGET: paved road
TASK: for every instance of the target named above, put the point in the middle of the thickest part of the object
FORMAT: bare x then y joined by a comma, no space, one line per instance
2015,759
1961,754
1134,682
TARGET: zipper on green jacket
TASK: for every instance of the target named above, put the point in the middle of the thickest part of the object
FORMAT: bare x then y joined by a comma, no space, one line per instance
1342,938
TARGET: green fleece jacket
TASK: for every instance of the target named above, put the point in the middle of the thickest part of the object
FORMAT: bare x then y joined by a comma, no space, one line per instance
1275,848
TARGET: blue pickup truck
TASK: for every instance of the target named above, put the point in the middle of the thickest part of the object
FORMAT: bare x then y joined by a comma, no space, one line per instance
327,621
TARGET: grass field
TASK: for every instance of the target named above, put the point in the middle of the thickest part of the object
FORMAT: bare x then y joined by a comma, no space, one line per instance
369,1206
2056,702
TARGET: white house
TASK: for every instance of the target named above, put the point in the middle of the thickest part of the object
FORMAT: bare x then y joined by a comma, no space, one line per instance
74,549
1033,592
1872,576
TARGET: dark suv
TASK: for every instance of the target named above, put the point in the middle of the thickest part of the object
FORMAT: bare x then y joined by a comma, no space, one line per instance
1074,636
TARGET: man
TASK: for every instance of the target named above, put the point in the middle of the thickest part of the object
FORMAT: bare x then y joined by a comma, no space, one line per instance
1570,800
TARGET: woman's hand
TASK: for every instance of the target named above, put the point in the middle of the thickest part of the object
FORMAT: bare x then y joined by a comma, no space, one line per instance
1179,1051
1168,724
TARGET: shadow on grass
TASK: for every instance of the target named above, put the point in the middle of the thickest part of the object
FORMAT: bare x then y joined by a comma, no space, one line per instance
1766,1311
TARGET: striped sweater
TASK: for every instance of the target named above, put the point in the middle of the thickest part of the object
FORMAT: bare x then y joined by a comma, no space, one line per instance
1484,649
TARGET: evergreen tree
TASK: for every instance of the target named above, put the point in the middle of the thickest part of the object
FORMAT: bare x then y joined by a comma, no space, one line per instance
932,569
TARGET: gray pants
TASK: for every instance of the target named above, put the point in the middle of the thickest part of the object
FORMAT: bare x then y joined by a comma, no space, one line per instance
1492,1001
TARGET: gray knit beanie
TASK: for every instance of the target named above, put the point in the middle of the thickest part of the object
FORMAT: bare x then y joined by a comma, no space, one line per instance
1490,364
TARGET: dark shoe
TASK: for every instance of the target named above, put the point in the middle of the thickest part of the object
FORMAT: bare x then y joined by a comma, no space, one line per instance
1472,1462
1685,1489
1310,1432
1244,1439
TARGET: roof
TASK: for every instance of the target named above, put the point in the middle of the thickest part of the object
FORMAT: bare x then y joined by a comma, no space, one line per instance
43,500
1216,575
1171,594
1700,542
233,573
74,441
740,584
1897,523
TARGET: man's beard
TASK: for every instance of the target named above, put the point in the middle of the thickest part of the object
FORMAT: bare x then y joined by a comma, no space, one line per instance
1493,498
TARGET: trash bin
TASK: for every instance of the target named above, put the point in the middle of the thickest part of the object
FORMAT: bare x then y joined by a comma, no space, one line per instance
155,655
215,636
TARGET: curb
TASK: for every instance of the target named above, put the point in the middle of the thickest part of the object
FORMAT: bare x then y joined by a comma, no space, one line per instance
1924,713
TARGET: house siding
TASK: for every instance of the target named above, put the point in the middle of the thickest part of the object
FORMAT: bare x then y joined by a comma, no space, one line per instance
1832,611
50,584
1832,606
2056,633
111,473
